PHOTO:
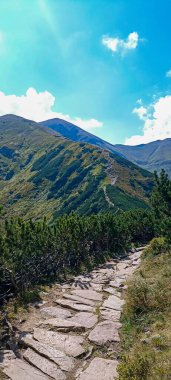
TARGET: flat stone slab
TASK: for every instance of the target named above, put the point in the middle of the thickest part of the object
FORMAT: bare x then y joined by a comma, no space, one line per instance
64,325
66,363
88,294
114,302
73,305
111,315
86,286
112,291
85,319
45,365
136,262
122,265
69,344
56,312
118,282
100,369
78,299
20,370
105,332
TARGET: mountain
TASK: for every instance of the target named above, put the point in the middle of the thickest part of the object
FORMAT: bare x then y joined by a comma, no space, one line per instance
153,156
42,173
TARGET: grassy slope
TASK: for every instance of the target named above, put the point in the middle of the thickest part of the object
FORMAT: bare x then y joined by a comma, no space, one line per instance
42,174
153,156
146,332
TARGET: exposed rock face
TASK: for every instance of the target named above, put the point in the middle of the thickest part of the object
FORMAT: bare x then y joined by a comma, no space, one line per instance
63,338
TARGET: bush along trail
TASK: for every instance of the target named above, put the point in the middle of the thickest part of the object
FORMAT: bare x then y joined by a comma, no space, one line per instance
73,333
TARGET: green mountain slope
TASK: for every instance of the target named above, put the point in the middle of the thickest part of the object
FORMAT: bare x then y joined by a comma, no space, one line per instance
152,156
42,173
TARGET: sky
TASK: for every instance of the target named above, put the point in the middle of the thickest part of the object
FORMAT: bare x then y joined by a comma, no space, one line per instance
104,65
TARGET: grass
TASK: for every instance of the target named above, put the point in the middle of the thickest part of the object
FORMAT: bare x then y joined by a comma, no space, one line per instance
146,331
50,175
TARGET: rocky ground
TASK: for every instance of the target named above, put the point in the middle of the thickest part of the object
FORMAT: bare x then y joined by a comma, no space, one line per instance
74,332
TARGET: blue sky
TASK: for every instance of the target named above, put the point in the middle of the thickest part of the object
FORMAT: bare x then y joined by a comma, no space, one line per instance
79,55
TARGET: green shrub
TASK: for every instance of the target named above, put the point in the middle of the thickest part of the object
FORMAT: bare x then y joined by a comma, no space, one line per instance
156,247
135,366
136,299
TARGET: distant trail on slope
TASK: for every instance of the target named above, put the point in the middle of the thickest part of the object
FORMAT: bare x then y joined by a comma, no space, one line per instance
113,179
107,197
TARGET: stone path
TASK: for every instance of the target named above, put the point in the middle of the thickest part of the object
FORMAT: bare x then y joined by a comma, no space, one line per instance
75,335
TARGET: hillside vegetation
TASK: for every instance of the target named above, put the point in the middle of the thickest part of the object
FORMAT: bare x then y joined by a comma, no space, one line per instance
41,173
34,253
146,332
152,156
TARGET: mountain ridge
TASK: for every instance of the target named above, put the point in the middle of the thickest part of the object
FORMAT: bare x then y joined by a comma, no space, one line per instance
152,156
42,173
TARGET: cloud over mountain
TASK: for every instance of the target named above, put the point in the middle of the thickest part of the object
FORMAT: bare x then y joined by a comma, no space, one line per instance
157,121
38,106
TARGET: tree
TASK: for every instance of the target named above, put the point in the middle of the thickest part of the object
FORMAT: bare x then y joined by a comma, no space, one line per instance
161,202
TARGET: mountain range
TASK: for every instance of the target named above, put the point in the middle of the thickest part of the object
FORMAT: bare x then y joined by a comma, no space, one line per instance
152,156
44,173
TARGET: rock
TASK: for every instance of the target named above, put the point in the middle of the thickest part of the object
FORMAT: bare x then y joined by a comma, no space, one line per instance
100,369
86,286
99,278
121,266
69,344
73,305
65,362
57,312
86,320
136,262
5,357
20,370
96,287
111,315
88,294
118,282
64,325
78,299
105,332
45,365
114,302
38,304
112,291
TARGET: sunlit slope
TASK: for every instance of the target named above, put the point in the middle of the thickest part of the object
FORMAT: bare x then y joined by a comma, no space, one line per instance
42,173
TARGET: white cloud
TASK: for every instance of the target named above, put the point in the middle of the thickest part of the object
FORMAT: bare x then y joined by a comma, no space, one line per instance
141,112
118,45
38,106
168,74
157,122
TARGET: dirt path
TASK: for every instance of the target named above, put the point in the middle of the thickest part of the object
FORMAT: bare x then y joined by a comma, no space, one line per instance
74,332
